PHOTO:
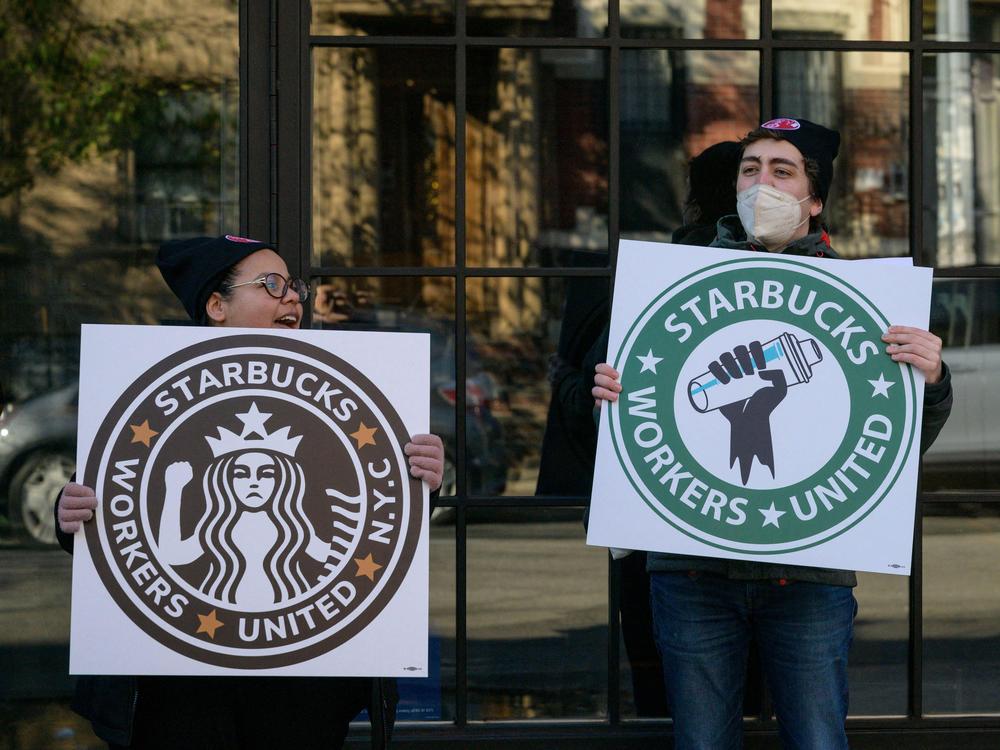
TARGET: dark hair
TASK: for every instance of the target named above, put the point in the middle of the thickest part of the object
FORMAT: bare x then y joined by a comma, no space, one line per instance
220,283
811,167
711,185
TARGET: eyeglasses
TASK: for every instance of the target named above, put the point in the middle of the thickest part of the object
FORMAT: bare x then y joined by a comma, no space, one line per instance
277,286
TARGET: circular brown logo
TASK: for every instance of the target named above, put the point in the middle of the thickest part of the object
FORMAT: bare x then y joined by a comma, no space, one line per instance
256,505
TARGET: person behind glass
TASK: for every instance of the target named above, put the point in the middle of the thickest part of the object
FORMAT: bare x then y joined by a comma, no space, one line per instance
711,193
705,611
231,281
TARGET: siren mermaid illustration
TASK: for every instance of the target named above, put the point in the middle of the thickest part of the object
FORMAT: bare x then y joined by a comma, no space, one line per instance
254,529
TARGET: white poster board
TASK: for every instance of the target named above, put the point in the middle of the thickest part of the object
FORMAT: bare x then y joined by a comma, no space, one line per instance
256,514
810,459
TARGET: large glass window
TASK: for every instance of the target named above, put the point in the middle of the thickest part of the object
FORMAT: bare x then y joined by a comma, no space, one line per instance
120,130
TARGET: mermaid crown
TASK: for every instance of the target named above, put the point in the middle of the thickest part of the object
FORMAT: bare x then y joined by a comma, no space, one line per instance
253,424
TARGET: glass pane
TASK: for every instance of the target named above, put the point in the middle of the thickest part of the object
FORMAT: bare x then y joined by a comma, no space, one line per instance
866,20
961,156
877,668
515,325
864,95
401,303
965,313
383,157
537,616
525,18
961,20
120,133
675,104
382,17
536,135
690,19
961,608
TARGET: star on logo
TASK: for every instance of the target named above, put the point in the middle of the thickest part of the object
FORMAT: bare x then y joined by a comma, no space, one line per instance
365,435
209,624
649,362
881,386
366,567
771,516
143,433
253,421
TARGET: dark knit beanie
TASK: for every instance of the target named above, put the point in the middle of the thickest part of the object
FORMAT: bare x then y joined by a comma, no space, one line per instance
814,142
192,267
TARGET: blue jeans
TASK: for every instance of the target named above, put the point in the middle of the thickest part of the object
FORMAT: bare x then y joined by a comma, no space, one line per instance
703,625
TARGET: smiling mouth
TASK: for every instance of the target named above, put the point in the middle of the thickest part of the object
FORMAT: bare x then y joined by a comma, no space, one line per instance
288,321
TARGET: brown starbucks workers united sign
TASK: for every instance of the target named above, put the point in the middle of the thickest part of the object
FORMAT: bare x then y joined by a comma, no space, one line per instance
257,510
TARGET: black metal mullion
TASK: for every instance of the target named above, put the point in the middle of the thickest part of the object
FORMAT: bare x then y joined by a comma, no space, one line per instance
449,271
291,48
766,63
614,231
255,122
461,488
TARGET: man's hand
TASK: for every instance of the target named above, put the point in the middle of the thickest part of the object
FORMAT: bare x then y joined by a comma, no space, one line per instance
76,506
606,385
426,454
916,347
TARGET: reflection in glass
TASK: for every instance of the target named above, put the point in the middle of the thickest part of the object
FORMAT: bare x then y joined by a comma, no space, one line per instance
965,313
877,667
675,104
382,17
515,325
537,616
864,20
534,18
864,95
961,154
108,172
404,303
433,697
383,157
536,135
961,20
961,613
690,19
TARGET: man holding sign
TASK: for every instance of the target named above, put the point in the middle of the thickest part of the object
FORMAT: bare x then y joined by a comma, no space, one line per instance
798,342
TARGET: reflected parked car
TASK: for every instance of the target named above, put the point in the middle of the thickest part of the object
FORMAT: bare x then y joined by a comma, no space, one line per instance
37,457
38,438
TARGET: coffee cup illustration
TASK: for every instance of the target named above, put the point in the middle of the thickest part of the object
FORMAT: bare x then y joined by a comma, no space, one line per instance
795,357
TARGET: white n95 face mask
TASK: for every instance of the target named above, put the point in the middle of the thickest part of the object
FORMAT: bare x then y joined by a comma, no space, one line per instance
769,216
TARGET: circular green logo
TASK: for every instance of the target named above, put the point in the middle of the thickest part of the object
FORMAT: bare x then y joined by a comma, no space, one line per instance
759,412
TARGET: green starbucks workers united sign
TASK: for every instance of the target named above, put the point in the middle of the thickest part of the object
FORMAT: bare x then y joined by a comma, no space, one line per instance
759,416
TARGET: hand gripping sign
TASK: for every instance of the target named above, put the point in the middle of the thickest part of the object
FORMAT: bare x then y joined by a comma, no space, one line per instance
256,511
760,417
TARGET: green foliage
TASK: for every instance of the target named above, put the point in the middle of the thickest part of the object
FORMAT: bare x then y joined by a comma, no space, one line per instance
67,89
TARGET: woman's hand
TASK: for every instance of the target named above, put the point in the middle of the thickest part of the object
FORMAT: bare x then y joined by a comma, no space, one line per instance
606,385
77,504
426,454
916,347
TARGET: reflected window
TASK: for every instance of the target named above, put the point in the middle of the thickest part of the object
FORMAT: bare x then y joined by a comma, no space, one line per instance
535,18
961,155
864,95
961,20
674,105
382,17
536,134
537,616
961,608
690,19
383,157
965,313
861,20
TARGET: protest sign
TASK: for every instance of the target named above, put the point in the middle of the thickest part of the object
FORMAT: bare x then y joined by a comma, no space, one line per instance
256,512
760,417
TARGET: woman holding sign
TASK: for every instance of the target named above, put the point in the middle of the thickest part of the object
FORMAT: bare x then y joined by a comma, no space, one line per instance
707,610
235,282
